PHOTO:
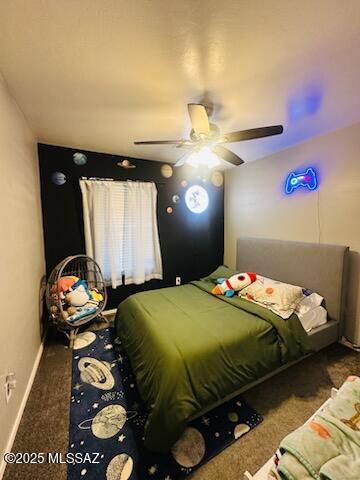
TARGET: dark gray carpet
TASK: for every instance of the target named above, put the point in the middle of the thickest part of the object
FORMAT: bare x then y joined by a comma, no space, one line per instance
285,401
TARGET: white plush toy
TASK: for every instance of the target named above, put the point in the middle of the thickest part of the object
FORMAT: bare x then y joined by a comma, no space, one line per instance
228,286
78,297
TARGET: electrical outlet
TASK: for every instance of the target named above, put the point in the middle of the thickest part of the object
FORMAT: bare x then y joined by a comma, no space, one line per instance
8,392
177,280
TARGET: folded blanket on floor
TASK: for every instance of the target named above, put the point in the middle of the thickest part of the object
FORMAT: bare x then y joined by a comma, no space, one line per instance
328,447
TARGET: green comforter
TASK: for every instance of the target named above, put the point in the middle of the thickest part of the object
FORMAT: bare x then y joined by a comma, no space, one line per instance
189,349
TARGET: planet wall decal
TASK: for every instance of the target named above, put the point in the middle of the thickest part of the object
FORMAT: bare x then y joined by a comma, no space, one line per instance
166,170
108,422
169,210
217,179
96,373
175,198
189,450
58,178
79,158
83,340
126,164
120,467
184,183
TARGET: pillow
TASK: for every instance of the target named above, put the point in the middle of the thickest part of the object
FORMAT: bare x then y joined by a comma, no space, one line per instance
280,298
221,272
313,318
309,302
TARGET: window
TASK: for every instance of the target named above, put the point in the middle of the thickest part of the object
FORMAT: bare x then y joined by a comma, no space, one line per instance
121,231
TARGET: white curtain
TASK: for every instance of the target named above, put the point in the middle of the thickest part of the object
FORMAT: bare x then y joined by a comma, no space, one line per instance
121,231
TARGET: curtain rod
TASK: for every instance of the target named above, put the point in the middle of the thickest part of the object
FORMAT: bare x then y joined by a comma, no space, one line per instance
112,180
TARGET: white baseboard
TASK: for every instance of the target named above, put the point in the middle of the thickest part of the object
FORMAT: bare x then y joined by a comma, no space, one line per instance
22,406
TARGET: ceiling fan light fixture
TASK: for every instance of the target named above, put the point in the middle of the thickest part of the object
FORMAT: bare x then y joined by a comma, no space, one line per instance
206,142
193,160
203,157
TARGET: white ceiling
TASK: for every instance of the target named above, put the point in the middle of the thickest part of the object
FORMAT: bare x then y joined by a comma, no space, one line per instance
99,74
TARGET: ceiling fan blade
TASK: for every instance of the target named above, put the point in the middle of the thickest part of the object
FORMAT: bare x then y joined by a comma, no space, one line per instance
180,162
186,144
251,134
160,142
199,118
227,155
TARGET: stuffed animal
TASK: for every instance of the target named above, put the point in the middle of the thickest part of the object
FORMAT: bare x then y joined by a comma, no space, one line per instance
79,295
228,286
64,284
97,296
84,284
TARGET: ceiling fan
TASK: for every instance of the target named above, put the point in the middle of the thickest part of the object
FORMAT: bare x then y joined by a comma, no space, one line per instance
206,142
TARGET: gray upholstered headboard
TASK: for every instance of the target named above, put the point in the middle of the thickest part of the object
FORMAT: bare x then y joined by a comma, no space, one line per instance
316,266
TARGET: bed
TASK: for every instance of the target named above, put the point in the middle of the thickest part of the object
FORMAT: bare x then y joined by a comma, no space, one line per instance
191,350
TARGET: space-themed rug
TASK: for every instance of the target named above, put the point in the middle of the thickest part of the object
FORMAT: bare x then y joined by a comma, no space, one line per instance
107,419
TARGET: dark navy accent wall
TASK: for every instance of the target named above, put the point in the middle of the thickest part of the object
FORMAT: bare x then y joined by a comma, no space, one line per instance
192,245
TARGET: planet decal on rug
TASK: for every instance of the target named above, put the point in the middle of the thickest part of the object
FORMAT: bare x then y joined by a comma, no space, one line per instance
184,183
83,340
79,158
169,210
120,467
96,373
166,171
233,417
113,421
189,450
217,179
108,422
58,178
175,198
240,430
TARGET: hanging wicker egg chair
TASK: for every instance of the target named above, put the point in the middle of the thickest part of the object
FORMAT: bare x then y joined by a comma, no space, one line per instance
75,294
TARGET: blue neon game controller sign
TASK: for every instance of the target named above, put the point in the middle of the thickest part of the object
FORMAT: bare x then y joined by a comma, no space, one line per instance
296,180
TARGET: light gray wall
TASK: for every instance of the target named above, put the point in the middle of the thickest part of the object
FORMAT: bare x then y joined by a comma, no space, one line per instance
256,205
21,256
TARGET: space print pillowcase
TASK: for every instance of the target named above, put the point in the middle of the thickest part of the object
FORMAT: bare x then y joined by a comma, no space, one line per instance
281,298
